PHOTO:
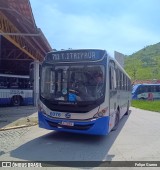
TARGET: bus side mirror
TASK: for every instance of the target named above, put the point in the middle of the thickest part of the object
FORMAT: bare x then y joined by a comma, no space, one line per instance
31,72
31,75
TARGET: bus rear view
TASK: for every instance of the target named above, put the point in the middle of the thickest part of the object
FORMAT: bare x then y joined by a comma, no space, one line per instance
73,92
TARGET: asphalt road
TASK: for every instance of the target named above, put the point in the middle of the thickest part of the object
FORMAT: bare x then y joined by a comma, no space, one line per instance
136,139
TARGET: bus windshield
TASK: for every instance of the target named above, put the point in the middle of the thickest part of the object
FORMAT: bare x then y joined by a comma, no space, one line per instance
72,83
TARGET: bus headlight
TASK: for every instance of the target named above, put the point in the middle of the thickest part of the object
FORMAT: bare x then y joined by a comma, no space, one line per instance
101,113
40,109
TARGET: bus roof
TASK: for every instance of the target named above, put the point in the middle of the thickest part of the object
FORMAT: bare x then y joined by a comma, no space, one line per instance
83,49
145,84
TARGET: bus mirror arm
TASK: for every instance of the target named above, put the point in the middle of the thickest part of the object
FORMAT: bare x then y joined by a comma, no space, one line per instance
31,71
31,75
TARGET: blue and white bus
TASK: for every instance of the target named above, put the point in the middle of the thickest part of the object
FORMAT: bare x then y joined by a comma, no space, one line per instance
82,91
146,91
15,90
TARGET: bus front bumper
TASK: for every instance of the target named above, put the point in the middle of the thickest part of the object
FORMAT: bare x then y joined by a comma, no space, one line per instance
98,126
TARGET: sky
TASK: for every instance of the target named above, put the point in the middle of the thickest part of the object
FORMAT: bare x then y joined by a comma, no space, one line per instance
114,25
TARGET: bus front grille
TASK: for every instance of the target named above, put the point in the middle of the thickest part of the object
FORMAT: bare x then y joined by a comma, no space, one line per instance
75,127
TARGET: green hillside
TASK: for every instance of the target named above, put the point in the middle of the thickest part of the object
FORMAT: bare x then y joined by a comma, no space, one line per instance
144,64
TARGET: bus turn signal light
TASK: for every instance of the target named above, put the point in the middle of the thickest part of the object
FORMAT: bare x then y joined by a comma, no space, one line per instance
101,113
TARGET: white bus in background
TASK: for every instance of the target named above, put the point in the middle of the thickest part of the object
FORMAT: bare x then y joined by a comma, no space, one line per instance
15,90
82,91
146,92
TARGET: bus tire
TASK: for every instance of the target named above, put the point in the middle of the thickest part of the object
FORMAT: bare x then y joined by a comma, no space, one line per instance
16,100
127,112
116,120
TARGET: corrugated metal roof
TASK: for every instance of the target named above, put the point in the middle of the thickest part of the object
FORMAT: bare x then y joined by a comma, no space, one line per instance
19,13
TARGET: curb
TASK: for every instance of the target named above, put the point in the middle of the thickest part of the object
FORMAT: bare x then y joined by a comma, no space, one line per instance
17,127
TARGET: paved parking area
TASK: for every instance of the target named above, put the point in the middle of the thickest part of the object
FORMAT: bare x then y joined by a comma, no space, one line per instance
12,117
136,139
8,138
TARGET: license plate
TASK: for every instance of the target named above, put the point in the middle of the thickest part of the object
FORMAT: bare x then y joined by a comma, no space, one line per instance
67,123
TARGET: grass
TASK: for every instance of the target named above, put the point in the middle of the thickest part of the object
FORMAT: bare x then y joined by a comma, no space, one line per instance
147,105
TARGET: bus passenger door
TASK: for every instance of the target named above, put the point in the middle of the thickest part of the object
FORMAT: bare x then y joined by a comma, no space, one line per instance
112,93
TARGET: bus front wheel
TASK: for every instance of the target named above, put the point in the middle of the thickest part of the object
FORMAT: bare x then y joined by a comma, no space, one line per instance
16,100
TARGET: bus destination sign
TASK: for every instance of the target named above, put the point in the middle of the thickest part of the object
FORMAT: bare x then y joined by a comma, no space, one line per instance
70,56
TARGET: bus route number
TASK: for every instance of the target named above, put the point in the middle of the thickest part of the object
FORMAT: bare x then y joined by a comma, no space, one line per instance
55,114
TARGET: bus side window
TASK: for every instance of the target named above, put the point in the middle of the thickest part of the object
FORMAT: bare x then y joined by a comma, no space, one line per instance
142,89
157,88
21,83
13,82
124,83
118,79
8,82
3,83
127,84
121,81
114,80
139,90
145,89
149,88
152,88
112,76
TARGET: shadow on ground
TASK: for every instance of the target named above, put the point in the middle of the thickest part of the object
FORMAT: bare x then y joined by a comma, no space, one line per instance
60,146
